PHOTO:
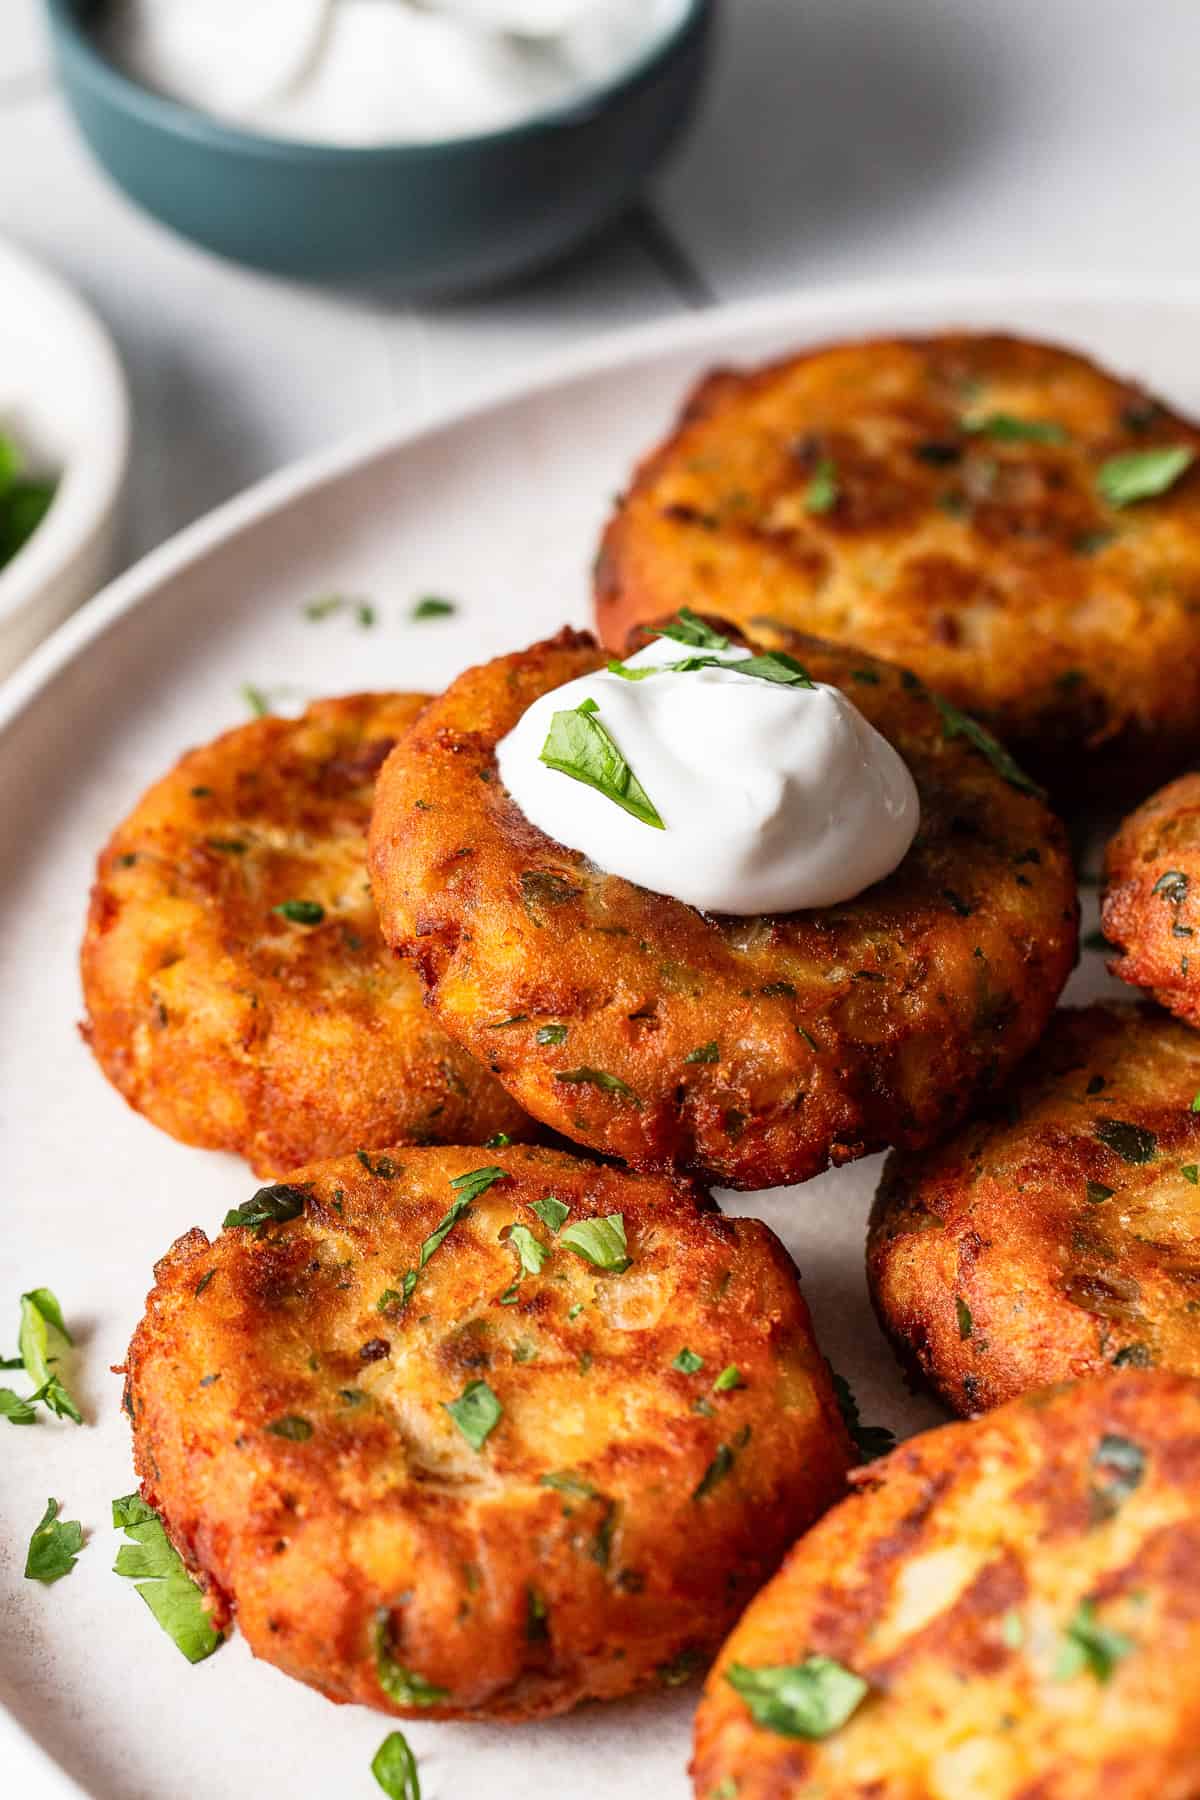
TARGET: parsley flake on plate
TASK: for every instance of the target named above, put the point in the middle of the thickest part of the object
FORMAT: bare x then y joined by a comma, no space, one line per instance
552,1211
54,1546
870,1440
601,1242
597,1078
273,1205
1143,474
155,1567
40,1316
301,912
433,606
476,1412
578,745
1007,428
687,1362
530,1250
822,492
1133,1143
395,1768
398,1683
1088,1645
956,724
802,1700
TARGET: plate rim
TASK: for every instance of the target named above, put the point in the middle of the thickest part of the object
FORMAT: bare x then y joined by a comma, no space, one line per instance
594,355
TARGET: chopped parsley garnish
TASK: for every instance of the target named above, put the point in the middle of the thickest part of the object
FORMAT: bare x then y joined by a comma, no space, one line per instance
1142,474
1173,886
531,1251
551,1211
292,1427
466,1187
301,912
499,1140
957,724
270,1206
1190,1172
1133,1143
870,1440
1089,1645
54,1546
1012,1629
40,1315
24,500
687,1362
821,494
566,1481
1119,1465
597,1078
771,665
551,1034
715,1473
689,628
801,1700
398,1683
256,699
1195,1106
729,1378
600,1242
395,1768
1006,428
383,1167
962,1313
154,1565
476,1412
433,606
16,1410
578,745
707,1053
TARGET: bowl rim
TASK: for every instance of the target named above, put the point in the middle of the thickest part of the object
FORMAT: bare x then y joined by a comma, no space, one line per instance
89,488
75,42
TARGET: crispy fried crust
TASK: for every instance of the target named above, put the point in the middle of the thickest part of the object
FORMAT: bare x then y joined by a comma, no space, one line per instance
670,1502
229,1025
990,565
948,1584
1151,906
836,1031
1032,1247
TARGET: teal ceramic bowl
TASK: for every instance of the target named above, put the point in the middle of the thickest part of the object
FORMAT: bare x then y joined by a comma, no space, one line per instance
427,218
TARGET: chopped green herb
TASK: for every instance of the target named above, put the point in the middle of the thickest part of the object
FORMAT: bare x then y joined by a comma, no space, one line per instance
24,500
301,912
1008,429
270,1206
803,1700
395,1768
551,1034
957,724
689,628
707,1053
1133,1143
573,1312
531,1251
600,1242
476,1412
771,665
383,1167
578,745
715,1473
324,606
871,1440
54,1546
566,1481
152,1562
256,699
542,887
292,1427
365,616
962,1312
1173,886
1142,474
687,1362
608,1084
499,1140
1097,1193
1012,1629
729,1378
1089,1645
1119,1464
822,491
41,1314
1190,1172
398,1683
551,1211
16,1410
432,606
1195,1107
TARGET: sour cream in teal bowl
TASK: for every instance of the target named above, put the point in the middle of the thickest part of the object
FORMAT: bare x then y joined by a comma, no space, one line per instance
266,133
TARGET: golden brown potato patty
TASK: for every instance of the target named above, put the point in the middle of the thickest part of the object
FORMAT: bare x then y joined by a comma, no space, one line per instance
483,1442
237,988
1059,1235
942,502
752,1051
1007,1610
1151,905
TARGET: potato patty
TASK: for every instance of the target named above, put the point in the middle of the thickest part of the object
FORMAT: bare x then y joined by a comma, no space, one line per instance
1151,904
237,988
1060,1234
752,1051
1007,1610
951,503
482,1442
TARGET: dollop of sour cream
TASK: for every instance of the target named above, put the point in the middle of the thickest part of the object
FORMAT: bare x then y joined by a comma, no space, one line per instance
772,798
358,72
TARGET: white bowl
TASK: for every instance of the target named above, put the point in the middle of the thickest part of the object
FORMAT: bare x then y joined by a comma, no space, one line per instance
64,400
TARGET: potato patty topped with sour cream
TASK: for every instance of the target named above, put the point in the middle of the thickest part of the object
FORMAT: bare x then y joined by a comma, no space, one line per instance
237,988
465,1434
752,1051
1005,517
1006,1610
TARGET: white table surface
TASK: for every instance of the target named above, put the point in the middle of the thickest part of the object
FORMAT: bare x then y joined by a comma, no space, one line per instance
842,139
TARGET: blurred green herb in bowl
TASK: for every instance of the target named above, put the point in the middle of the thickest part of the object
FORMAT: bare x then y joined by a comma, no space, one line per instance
24,499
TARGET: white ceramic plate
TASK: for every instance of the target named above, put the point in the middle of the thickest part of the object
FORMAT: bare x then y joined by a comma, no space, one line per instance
63,397
499,508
